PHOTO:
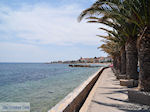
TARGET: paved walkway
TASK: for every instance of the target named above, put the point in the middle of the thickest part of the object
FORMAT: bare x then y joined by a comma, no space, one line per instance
108,96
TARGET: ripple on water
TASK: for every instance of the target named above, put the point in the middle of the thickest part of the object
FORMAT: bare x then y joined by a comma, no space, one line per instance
43,85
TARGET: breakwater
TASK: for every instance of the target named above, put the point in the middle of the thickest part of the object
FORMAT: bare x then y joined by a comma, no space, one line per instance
86,65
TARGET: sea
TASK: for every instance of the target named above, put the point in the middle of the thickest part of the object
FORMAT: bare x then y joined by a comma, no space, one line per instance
42,85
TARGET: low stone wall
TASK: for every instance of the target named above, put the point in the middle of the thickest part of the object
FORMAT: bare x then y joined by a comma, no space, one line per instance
129,83
73,101
139,96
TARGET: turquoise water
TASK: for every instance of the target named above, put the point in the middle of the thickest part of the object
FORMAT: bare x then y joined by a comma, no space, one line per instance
43,85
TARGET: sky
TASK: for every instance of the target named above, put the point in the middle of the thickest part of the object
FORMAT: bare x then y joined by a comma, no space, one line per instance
46,30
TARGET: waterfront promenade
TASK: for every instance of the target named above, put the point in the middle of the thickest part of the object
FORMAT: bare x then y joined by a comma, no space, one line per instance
108,96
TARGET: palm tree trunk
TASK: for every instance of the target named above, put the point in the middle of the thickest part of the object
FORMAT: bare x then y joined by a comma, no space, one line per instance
131,59
118,64
144,59
115,63
123,61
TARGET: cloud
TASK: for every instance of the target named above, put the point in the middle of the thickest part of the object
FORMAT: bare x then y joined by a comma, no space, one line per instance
44,24
15,52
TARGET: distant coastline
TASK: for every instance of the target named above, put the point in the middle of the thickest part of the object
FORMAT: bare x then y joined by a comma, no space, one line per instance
95,60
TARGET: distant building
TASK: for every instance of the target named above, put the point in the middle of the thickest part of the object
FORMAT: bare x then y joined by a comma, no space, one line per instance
59,61
86,60
95,60
108,59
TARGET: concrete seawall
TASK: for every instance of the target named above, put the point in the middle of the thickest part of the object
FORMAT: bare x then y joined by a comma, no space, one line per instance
73,101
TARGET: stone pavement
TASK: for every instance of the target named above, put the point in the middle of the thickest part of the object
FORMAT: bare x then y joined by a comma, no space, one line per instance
108,96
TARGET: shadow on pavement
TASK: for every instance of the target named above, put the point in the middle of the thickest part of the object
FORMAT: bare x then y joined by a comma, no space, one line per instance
126,108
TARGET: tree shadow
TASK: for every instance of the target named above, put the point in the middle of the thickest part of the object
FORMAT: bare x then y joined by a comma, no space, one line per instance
116,84
112,87
126,108
121,91
126,101
115,92
115,80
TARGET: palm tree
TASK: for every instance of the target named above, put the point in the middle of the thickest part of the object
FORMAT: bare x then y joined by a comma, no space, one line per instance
115,36
135,13
112,10
113,48
140,16
141,10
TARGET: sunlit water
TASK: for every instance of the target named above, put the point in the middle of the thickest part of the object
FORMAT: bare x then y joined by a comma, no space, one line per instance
43,85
